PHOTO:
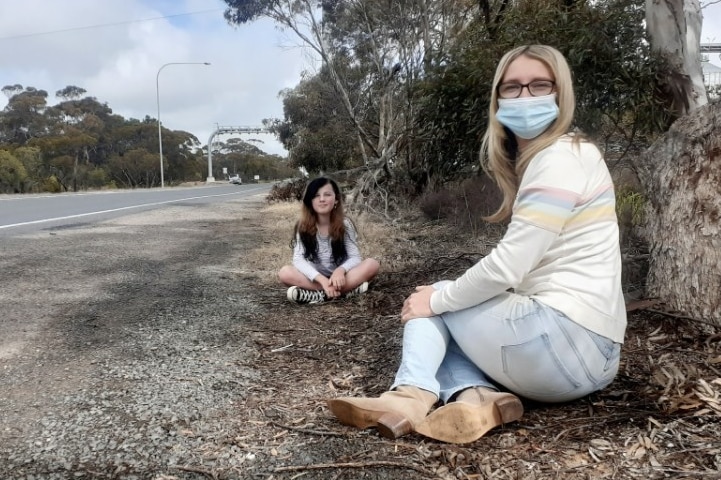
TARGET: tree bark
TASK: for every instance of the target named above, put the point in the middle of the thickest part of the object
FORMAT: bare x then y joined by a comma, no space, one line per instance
674,29
681,174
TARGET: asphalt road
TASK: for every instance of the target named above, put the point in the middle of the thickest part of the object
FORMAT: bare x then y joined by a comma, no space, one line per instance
22,214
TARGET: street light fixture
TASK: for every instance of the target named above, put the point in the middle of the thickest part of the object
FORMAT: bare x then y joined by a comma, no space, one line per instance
157,98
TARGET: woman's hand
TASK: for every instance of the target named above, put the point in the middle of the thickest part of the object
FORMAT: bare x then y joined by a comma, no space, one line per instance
337,278
418,304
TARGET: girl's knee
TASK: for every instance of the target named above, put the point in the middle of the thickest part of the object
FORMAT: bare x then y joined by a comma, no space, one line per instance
285,274
373,266
367,269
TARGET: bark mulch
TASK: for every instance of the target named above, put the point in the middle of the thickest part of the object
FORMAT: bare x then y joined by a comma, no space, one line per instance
660,418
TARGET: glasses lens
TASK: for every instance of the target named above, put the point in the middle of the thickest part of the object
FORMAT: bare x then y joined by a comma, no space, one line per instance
509,90
540,88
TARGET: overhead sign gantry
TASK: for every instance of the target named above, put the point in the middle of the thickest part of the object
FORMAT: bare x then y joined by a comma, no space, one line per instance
227,130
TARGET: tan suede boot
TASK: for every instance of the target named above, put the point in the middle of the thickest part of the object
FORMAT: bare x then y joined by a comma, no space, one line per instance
474,412
394,413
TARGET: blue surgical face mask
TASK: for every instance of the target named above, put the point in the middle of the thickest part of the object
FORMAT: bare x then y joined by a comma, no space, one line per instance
527,117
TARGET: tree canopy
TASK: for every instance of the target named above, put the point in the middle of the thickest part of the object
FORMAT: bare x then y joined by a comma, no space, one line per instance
407,82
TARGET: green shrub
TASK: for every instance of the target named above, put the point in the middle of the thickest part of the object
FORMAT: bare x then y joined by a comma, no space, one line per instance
629,206
52,185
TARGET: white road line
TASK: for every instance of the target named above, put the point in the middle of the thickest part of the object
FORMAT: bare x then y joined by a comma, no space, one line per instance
33,222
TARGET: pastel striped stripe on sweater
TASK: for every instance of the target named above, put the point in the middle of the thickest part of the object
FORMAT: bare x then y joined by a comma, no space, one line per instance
559,210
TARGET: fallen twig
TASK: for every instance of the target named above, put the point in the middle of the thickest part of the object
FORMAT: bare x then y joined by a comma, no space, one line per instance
379,463
681,317
306,430
199,470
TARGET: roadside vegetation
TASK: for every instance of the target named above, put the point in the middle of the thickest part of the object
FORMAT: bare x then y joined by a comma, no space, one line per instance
79,144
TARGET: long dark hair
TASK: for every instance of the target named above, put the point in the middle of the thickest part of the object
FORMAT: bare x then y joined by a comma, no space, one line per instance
307,226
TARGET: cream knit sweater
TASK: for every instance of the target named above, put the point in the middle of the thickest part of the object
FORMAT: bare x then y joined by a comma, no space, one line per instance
561,247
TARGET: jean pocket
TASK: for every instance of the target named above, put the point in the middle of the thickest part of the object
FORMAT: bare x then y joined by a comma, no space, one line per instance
536,369
610,350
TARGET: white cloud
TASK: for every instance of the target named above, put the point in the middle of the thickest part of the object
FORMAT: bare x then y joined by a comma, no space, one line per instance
114,50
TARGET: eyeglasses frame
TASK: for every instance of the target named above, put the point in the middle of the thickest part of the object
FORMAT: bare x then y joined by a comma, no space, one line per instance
526,86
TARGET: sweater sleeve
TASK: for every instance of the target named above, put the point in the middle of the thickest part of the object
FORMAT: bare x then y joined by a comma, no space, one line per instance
517,253
548,194
351,248
301,263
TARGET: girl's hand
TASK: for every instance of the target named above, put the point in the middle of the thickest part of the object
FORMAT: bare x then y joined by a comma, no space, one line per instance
330,290
418,304
337,278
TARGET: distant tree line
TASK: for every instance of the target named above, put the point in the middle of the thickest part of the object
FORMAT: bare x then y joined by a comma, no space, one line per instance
79,144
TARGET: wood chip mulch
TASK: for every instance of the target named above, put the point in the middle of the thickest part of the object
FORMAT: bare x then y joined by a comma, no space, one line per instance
660,418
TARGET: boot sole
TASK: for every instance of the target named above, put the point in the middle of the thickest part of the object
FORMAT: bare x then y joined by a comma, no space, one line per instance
389,424
461,422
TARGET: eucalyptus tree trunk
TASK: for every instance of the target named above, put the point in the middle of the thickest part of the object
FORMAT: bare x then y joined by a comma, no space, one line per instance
674,29
681,174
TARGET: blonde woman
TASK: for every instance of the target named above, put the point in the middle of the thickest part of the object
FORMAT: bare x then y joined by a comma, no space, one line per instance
542,317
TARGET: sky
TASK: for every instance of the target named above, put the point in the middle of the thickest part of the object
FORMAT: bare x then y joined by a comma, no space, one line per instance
117,50
114,49
711,30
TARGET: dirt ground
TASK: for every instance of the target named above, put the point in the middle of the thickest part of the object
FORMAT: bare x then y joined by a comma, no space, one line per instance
159,346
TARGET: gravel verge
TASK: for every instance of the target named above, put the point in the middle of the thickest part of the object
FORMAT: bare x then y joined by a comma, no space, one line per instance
119,356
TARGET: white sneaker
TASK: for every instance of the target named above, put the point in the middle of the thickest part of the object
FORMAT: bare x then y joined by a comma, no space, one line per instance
360,289
301,295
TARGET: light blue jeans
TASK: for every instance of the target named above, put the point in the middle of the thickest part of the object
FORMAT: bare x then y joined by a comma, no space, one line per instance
511,342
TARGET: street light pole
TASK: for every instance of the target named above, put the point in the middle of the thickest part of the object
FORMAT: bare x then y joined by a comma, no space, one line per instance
157,99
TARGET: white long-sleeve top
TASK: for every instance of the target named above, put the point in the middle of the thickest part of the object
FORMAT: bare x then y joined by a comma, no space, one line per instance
561,246
325,264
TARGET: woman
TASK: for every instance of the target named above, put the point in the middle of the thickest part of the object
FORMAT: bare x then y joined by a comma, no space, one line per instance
543,315
326,260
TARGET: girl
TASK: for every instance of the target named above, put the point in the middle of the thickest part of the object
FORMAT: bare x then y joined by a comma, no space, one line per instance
326,260
543,316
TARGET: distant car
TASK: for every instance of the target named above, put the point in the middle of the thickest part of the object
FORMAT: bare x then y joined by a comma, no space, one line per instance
235,179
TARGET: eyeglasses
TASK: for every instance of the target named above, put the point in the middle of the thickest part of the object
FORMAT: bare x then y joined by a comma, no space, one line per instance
536,88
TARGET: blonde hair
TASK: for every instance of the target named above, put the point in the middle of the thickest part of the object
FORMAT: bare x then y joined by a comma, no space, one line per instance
496,160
